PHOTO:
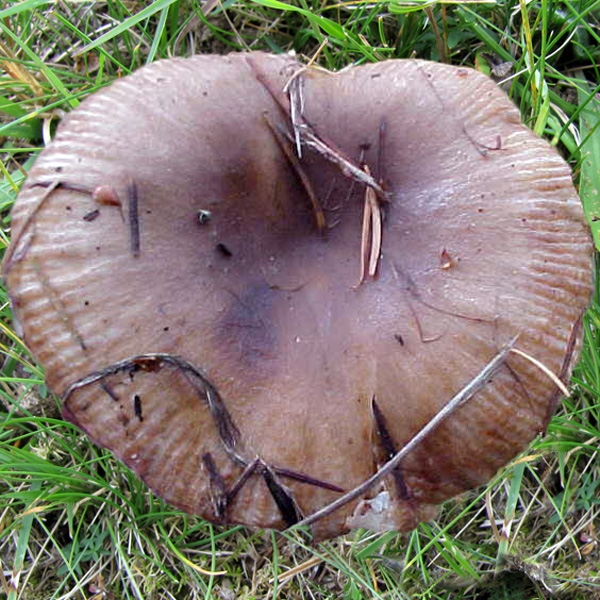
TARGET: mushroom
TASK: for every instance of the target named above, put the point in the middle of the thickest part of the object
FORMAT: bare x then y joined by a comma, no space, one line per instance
256,282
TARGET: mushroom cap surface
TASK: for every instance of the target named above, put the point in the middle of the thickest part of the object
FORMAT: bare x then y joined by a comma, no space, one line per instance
168,274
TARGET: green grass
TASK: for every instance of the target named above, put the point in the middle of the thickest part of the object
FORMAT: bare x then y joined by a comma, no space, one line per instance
76,523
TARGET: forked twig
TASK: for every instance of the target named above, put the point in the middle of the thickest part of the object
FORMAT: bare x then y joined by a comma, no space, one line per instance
303,132
458,400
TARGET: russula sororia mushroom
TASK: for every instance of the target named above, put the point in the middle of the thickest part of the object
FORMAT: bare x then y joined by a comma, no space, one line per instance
255,282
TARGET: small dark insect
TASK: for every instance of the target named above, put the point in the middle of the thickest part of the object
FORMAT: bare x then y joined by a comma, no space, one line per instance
399,339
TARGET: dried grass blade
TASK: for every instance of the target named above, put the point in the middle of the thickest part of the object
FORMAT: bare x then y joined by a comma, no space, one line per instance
375,214
542,367
375,234
364,241
311,562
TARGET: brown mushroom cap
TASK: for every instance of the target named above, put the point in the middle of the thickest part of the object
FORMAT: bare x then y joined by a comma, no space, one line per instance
168,273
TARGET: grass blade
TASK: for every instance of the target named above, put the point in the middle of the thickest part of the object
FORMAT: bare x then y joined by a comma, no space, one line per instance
589,185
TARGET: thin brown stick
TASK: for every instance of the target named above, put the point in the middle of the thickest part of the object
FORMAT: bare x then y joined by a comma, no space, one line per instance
317,52
109,391
380,149
282,497
279,96
308,564
304,132
134,219
304,179
346,165
303,478
92,215
217,485
439,41
376,228
463,396
241,481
